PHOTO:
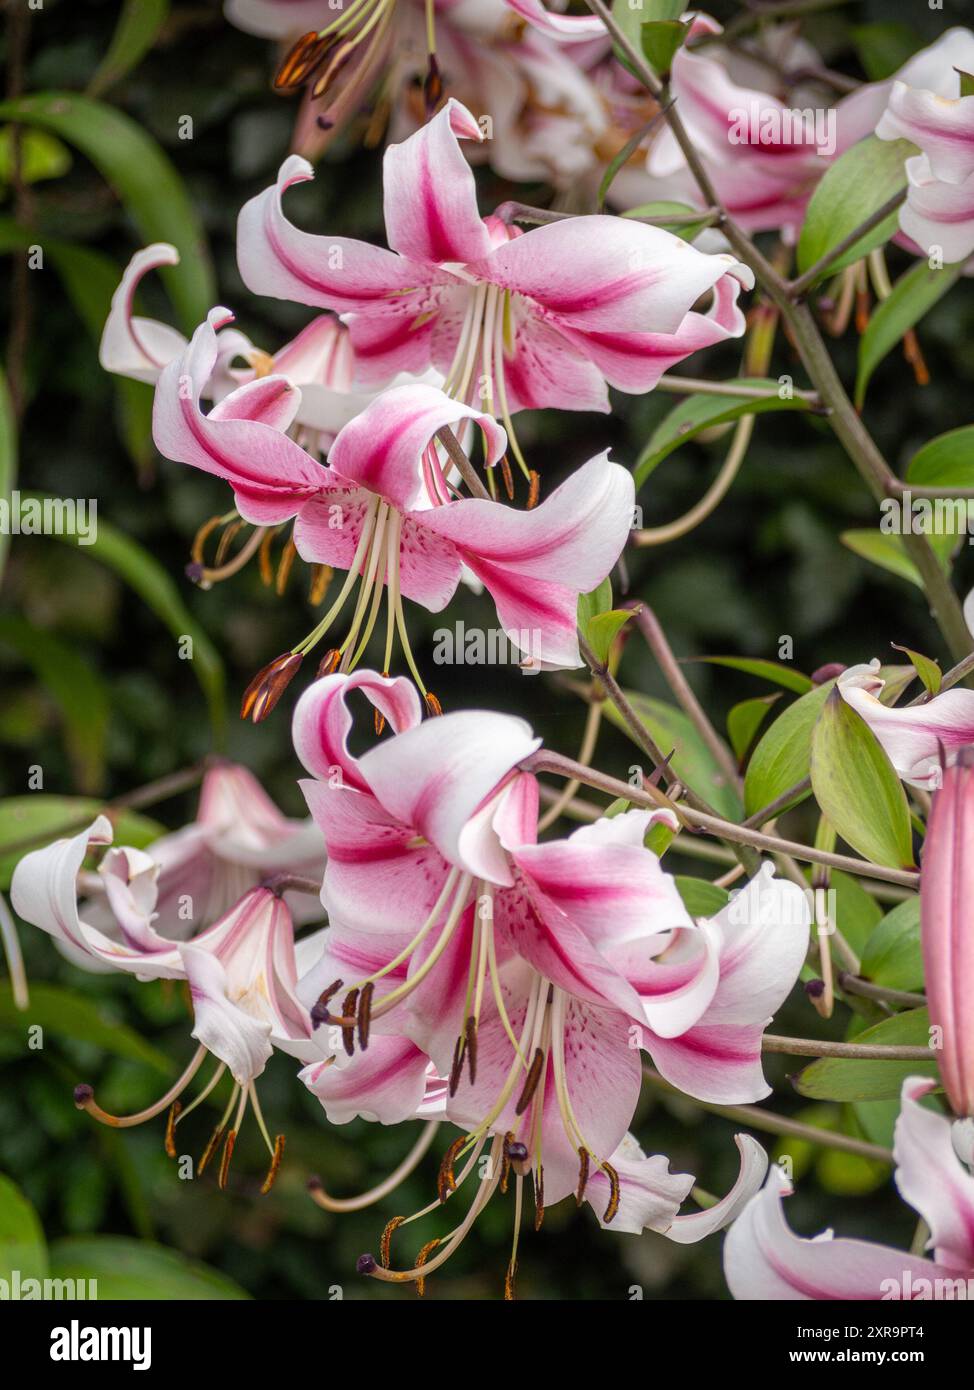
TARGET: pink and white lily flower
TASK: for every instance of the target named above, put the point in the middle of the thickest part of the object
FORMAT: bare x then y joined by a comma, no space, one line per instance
932,113
384,509
319,361
915,737
513,981
514,320
764,1260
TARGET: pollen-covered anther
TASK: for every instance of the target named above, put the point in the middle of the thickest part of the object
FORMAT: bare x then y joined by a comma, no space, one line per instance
321,577
267,687
348,1021
432,86
228,1148
275,1165
365,1014
329,662
170,1141
301,61
534,488
432,703
446,1182
284,566
583,1172
319,1009
530,1082
421,1259
614,1192
509,1278
385,1242
538,1197
207,1155
456,1067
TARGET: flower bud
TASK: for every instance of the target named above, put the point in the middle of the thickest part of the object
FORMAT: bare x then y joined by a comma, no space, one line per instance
947,927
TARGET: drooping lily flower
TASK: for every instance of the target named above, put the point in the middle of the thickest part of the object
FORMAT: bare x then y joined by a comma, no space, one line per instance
385,509
764,1260
513,320
529,975
946,881
319,360
241,972
397,62
931,112
914,737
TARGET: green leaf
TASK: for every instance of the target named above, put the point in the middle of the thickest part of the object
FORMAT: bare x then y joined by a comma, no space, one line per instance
143,573
701,898
850,1175
744,720
946,461
885,549
144,179
925,667
22,1244
137,1270
774,671
892,956
692,760
913,295
884,47
603,628
857,788
8,459
42,156
63,1013
591,605
661,213
857,185
661,39
855,1079
136,31
702,412
45,818
966,82
782,757
77,689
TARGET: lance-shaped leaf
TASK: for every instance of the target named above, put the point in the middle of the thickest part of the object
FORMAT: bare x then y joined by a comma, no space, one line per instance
745,719
925,667
856,186
857,788
913,295
857,1078
136,31
946,461
782,757
703,412
136,1269
892,956
775,671
64,1013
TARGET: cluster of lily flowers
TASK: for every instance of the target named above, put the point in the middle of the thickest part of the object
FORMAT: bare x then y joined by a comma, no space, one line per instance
471,973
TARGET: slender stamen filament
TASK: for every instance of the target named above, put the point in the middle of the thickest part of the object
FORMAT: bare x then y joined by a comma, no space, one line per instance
198,1100
84,1099
384,1188
449,885
351,579
397,995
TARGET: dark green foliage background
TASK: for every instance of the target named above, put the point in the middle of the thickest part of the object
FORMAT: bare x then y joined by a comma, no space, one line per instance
767,564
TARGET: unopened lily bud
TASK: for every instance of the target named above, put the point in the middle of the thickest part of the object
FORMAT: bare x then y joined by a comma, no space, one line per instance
827,672
947,927
267,687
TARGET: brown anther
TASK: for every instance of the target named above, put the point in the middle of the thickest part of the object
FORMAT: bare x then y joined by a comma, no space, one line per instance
209,1151
385,1243
470,1048
913,355
432,703
862,311
267,687
319,1009
538,1197
264,557
432,86
225,542
329,662
379,720
339,58
506,1161
531,1082
445,1180
348,1021
421,1259
171,1119
509,1277
614,1192
365,1014
320,580
534,488
583,1170
303,59
284,566
275,1167
228,1147
508,477
456,1068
